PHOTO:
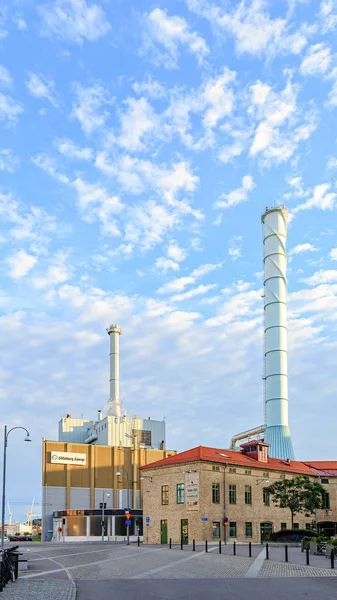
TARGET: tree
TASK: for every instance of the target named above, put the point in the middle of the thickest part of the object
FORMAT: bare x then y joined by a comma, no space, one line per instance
300,495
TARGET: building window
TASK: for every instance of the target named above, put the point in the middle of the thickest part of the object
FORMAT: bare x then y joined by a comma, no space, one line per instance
296,526
266,474
266,497
249,529
283,526
248,471
164,494
216,493
143,436
232,469
326,500
248,494
324,480
216,530
232,494
180,493
215,468
232,529
282,476
308,525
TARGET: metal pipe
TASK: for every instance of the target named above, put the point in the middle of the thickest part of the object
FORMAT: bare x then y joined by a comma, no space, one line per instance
246,435
277,432
114,403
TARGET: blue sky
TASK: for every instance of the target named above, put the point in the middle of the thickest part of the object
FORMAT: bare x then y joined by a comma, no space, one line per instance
140,142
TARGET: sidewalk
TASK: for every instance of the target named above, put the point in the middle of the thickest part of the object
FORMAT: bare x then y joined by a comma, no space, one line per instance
39,589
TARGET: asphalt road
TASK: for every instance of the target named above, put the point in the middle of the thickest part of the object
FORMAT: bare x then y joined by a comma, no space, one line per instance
191,589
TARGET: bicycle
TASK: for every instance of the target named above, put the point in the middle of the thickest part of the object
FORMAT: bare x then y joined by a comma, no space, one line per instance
7,572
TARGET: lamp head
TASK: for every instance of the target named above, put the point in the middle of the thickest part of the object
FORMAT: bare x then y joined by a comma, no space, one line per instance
28,438
118,473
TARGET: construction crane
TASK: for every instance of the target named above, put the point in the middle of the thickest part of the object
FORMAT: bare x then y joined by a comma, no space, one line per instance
9,513
29,513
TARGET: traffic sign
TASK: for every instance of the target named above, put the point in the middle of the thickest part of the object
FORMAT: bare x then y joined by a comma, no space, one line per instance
128,516
127,522
147,520
204,518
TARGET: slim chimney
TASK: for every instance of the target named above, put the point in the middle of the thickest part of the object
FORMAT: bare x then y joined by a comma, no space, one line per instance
277,432
114,403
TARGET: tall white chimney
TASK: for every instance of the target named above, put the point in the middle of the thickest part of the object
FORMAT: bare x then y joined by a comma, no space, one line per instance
277,432
114,403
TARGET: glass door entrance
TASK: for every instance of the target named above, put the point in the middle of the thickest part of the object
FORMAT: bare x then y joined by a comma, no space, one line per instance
184,531
266,529
163,532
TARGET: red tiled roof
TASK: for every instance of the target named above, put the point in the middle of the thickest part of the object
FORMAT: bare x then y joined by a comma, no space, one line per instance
203,453
324,467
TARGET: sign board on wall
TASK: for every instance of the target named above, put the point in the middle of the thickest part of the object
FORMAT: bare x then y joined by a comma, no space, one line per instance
68,458
192,491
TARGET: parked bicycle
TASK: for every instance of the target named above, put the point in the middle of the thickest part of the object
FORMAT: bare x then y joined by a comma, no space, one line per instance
8,566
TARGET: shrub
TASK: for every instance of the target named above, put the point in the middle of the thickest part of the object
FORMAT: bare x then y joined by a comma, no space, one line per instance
291,535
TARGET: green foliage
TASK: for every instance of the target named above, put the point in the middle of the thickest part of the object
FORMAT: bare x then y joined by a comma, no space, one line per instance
300,495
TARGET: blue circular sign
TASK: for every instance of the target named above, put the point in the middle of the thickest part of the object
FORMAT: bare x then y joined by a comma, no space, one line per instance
128,522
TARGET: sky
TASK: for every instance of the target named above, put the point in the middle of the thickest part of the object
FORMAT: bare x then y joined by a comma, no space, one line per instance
140,143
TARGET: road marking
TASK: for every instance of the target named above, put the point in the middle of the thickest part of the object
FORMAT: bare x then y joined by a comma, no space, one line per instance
255,568
167,566
62,555
97,562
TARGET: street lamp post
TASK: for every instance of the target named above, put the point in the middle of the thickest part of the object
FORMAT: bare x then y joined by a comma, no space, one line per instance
128,502
27,439
108,496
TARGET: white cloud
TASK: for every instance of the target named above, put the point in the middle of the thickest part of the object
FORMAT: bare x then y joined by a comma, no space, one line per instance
328,17
332,163
68,148
166,264
238,195
178,285
317,60
20,22
150,88
95,202
9,109
234,247
218,97
163,31
20,263
320,198
40,86
3,19
88,107
138,120
300,248
57,272
198,291
176,253
74,20
320,277
5,78
8,162
333,254
254,31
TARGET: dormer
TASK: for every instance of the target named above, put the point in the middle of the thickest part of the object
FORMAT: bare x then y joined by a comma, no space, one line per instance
256,449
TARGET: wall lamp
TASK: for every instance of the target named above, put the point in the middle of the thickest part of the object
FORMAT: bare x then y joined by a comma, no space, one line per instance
260,481
146,477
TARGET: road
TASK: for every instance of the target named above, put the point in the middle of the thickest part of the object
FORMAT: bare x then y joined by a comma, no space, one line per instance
109,571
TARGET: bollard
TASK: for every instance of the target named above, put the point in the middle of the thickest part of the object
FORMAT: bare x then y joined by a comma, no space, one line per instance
219,546
170,543
332,556
193,545
181,544
234,548
138,541
206,547
250,549
307,553
267,552
286,553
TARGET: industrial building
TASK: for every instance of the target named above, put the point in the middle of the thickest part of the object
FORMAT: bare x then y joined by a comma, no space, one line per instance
211,494
95,463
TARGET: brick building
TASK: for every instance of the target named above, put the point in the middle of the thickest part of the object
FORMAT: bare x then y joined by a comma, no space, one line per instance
189,495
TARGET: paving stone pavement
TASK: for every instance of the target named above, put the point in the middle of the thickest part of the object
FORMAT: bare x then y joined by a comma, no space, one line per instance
277,569
39,589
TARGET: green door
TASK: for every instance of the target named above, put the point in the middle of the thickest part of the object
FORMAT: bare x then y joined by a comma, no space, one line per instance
184,531
266,529
163,532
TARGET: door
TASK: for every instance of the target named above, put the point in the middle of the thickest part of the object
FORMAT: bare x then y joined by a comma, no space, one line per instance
184,531
163,532
266,529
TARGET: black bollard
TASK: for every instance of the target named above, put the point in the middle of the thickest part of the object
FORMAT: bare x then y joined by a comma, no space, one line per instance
193,545
267,552
234,548
286,553
332,557
250,549
307,553
206,546
181,544
138,541
219,546
170,543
